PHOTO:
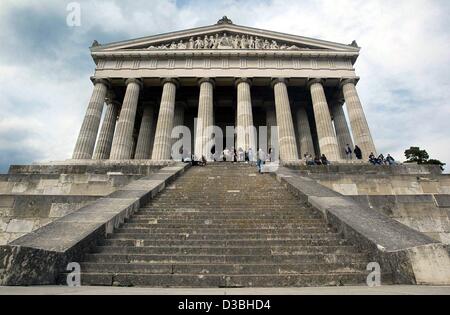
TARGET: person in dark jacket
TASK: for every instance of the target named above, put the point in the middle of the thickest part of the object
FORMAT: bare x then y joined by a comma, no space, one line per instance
358,152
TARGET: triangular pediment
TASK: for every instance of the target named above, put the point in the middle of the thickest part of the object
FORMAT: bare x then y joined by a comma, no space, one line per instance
224,36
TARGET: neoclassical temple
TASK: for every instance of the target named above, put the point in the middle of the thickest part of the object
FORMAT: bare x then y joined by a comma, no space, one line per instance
223,75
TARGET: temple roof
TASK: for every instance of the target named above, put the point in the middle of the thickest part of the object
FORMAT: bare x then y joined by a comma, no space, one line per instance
225,35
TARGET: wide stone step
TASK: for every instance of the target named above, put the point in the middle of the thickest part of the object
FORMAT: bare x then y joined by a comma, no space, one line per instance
166,241
143,218
283,269
212,211
220,236
230,259
264,250
225,223
216,281
211,228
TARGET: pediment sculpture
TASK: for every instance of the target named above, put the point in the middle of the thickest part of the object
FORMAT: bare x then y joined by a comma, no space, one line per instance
225,41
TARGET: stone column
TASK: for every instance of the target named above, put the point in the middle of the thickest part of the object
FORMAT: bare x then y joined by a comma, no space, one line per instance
205,117
143,146
304,132
342,131
286,134
105,138
84,147
325,131
122,147
245,135
163,141
358,122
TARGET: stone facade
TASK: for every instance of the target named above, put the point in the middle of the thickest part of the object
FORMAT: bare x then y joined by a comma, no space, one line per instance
248,75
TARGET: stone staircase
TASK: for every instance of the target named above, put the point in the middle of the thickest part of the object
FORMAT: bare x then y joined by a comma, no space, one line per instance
224,225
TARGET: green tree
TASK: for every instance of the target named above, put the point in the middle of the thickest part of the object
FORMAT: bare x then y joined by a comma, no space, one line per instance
416,155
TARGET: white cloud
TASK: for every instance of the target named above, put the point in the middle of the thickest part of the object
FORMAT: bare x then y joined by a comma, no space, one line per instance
404,64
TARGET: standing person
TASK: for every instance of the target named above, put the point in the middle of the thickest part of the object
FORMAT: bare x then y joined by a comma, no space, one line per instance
250,155
270,155
261,157
235,156
241,155
348,152
358,152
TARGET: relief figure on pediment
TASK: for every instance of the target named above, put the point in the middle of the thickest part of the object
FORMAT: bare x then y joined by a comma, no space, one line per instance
258,43
274,45
181,45
251,43
212,42
238,42
244,42
191,43
198,43
216,42
206,42
225,42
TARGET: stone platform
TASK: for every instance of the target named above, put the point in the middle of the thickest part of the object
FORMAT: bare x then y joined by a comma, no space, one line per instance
100,222
355,290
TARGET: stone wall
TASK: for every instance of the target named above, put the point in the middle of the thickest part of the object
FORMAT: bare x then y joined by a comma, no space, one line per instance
428,214
417,196
33,196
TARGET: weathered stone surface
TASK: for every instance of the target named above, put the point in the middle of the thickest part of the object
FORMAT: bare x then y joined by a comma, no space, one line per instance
38,257
442,201
391,242
20,226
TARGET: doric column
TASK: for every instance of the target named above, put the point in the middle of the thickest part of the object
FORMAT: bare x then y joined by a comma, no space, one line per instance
205,117
286,133
143,146
358,121
163,141
325,131
122,147
105,138
245,128
304,132
342,131
84,147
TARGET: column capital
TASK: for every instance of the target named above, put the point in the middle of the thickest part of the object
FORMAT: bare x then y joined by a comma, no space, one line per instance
209,80
135,80
104,81
347,81
314,81
278,80
171,80
243,80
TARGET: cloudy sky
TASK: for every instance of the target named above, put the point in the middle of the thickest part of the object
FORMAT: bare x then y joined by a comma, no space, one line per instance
45,64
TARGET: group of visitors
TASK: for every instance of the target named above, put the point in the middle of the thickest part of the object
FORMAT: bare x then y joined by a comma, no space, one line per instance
381,160
234,156
349,152
318,160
